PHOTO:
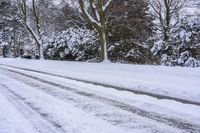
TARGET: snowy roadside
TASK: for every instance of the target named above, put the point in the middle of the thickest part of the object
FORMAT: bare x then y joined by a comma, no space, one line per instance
177,82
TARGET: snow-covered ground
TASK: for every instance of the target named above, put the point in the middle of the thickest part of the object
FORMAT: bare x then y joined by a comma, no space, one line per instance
72,120
60,104
177,82
11,120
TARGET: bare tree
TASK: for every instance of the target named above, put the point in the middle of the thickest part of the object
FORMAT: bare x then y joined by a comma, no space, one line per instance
36,34
164,11
96,13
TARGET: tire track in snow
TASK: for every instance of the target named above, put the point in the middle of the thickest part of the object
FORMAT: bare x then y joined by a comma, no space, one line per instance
156,117
111,114
158,96
39,120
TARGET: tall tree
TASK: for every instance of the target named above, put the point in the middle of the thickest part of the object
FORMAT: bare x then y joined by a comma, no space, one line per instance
164,11
36,34
95,12
130,19
130,26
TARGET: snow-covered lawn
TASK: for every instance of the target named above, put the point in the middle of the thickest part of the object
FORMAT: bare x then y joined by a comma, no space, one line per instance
177,82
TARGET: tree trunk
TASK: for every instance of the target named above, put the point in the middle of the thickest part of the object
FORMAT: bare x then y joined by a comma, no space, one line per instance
103,41
41,54
37,40
166,34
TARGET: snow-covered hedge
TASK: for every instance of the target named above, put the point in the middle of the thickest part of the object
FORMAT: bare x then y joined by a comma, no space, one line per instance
183,47
72,44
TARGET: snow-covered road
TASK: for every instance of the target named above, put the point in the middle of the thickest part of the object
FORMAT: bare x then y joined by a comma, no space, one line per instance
45,103
179,82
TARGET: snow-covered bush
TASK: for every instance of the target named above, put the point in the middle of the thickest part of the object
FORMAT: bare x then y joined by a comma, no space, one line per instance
183,46
72,44
131,51
191,62
166,60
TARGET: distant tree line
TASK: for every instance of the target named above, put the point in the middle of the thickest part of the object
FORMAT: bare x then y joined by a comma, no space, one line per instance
128,31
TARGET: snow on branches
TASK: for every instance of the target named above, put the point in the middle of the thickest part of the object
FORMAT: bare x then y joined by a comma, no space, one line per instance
72,44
